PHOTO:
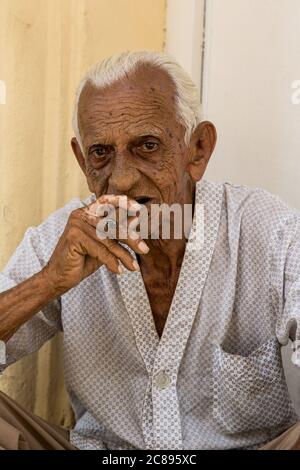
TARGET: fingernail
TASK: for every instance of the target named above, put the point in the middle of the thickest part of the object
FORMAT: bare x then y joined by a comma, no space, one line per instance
135,264
108,197
121,269
143,247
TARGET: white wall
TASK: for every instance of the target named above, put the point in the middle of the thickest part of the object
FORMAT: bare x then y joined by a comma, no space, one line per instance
252,57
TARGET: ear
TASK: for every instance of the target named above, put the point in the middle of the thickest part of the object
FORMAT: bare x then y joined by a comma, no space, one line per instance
202,144
78,154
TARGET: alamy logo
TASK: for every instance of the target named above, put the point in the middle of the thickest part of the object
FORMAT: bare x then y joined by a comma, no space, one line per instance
2,92
157,221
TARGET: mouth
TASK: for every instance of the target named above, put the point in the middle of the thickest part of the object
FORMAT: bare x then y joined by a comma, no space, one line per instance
144,200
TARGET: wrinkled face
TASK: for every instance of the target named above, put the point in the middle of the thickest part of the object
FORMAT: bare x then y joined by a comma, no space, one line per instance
133,140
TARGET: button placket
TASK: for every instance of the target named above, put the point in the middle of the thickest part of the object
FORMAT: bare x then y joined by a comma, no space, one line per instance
195,266
166,418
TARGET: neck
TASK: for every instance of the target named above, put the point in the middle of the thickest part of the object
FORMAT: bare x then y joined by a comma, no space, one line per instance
164,256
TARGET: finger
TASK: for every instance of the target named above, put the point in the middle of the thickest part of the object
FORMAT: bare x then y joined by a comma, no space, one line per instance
116,249
111,244
122,254
132,239
137,244
91,248
121,216
121,201
91,265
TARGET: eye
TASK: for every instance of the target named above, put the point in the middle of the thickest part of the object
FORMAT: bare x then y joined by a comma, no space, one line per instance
101,151
149,146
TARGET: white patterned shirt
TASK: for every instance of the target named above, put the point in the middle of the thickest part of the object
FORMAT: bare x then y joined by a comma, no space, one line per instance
214,380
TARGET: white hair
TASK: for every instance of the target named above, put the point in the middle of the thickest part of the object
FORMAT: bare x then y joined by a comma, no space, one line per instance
119,66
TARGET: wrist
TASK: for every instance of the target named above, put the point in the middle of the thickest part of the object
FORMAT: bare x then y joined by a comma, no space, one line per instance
47,284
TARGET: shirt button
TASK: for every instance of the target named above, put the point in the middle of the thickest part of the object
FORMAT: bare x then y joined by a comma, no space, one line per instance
162,380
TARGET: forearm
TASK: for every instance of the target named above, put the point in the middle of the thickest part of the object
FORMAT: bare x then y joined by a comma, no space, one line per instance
19,304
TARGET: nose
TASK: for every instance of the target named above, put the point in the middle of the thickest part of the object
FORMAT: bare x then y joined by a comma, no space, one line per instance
124,176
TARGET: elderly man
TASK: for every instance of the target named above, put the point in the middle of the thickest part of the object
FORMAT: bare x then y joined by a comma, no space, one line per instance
168,343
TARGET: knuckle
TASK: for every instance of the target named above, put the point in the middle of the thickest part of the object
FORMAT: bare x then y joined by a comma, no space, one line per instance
110,243
72,233
75,214
110,259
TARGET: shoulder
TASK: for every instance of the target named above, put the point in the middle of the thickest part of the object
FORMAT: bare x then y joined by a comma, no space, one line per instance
255,210
258,205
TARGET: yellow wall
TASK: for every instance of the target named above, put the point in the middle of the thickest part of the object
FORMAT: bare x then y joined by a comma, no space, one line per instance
45,48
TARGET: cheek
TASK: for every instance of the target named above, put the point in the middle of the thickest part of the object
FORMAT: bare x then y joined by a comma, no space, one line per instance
170,175
97,180
172,167
165,178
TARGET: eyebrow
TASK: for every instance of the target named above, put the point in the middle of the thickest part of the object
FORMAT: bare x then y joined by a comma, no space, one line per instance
150,132
141,137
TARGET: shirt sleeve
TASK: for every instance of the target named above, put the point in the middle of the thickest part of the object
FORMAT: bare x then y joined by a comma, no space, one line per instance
287,282
24,263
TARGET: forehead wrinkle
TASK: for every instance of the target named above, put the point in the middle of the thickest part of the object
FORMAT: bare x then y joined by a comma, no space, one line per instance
102,127
145,121
119,112
128,117
113,106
